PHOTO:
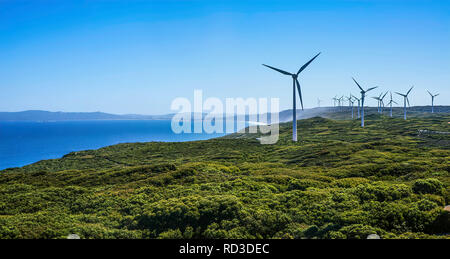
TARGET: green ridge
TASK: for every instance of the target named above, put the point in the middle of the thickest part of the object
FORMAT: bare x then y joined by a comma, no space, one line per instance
338,181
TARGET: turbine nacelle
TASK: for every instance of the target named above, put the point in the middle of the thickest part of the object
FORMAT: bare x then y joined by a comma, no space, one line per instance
432,95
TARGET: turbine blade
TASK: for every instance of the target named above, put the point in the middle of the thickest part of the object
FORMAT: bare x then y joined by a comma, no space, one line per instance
370,89
429,93
400,94
408,101
384,96
409,90
358,84
436,95
307,64
279,70
299,92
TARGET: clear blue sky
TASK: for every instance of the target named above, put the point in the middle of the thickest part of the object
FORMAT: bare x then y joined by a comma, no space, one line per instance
137,56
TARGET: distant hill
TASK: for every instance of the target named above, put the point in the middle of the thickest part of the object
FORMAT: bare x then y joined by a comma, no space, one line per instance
284,116
36,115
345,112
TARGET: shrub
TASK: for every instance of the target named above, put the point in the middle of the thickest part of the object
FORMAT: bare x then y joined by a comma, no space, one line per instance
304,184
381,191
431,186
441,223
350,182
359,231
194,211
171,234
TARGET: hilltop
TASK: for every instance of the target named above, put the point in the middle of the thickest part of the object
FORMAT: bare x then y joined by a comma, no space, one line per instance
37,115
284,116
339,181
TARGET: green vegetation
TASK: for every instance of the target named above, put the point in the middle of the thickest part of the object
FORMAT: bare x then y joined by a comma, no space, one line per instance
338,181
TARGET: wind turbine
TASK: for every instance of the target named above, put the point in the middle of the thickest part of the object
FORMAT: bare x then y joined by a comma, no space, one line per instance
349,99
318,102
340,101
405,99
382,102
378,102
390,103
363,95
359,103
432,101
294,82
334,100
351,102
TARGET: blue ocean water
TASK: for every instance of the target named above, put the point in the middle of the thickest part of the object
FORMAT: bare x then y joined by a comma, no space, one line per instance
23,143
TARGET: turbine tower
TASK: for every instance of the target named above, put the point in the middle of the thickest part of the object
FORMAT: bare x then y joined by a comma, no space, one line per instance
363,95
359,103
294,82
432,101
351,102
405,99
390,103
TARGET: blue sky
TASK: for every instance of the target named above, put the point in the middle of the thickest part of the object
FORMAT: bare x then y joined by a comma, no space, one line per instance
137,56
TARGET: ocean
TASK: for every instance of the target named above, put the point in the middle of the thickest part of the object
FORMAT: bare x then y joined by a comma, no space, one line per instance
23,143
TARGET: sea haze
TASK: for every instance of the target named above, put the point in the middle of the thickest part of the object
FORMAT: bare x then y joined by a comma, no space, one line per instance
23,143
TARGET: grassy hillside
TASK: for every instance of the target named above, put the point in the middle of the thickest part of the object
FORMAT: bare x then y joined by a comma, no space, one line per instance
338,181
344,113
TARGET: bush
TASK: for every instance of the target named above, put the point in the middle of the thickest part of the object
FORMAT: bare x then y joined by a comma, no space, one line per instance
381,191
431,186
304,184
350,182
171,234
195,211
359,231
